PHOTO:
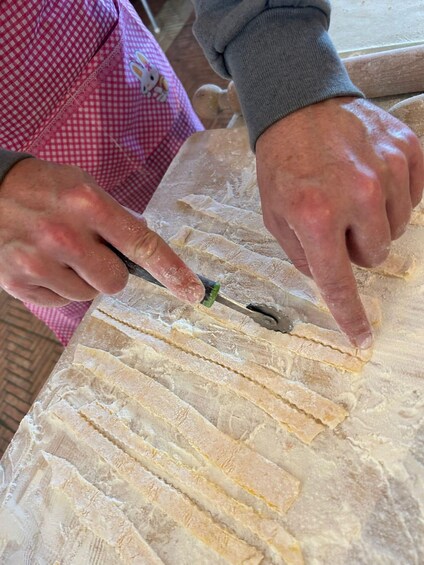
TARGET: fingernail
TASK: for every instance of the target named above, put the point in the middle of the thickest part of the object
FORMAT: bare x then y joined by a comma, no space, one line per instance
364,341
194,292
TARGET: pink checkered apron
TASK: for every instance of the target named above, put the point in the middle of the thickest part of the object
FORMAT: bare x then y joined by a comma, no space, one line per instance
83,82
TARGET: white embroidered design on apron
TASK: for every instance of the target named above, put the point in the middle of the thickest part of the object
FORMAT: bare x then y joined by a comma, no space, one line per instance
152,82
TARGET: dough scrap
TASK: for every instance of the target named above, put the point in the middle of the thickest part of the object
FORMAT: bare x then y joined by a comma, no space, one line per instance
250,470
186,478
170,501
99,513
397,266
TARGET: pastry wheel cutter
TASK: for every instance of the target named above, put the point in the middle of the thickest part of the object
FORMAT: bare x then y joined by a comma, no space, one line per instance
264,315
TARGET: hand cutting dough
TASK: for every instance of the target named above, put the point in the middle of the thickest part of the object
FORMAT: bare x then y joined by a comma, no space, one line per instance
300,293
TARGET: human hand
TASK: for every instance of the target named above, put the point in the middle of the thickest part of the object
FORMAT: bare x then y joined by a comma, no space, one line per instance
338,180
54,223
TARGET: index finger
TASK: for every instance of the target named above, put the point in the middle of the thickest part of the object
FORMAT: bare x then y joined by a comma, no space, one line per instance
331,269
133,238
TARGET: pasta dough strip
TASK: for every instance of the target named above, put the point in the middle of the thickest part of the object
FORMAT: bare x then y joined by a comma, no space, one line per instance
228,216
171,501
239,219
305,340
99,514
300,424
281,273
186,478
257,475
307,401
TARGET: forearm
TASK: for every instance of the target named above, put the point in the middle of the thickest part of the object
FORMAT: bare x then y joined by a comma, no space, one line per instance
278,53
8,159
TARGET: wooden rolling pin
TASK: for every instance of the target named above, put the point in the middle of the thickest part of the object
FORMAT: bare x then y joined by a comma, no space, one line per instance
411,112
386,73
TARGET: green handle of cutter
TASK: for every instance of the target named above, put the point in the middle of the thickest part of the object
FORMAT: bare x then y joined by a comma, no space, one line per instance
211,287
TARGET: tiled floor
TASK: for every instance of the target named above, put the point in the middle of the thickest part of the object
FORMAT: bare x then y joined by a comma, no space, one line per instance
28,350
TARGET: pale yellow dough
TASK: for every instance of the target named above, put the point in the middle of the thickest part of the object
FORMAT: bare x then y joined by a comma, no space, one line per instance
296,395
90,504
194,359
194,484
159,493
257,475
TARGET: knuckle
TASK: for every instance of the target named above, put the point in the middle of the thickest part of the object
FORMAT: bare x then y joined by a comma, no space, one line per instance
28,266
317,220
369,191
398,163
145,244
411,139
54,235
84,197
407,142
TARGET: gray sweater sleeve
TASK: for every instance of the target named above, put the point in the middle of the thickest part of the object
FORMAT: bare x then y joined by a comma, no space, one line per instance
278,52
8,159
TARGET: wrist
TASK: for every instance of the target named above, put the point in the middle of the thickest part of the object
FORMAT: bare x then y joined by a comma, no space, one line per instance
298,66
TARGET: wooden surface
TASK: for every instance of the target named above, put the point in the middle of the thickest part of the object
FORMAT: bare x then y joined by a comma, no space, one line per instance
28,353
372,25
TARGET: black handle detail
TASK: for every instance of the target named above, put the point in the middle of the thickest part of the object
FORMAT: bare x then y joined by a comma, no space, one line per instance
211,287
